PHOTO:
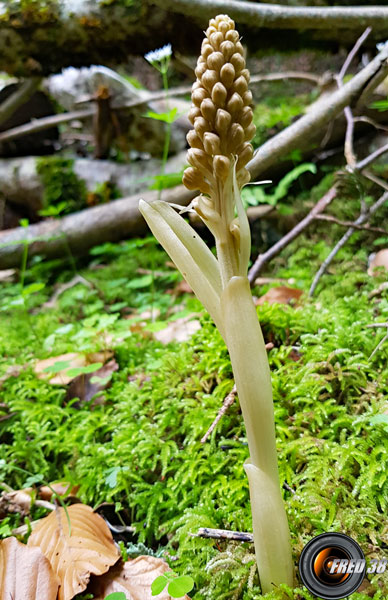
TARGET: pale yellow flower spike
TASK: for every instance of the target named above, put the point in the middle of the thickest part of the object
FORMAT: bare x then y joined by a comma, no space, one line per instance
221,115
220,142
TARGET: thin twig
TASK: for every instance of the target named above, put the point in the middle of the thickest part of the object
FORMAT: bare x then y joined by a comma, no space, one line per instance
228,401
360,221
370,121
380,182
319,207
372,157
351,224
349,143
381,342
351,161
353,53
223,534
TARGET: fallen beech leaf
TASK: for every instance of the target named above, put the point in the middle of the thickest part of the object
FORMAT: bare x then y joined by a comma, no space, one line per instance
179,330
134,578
89,548
25,573
62,488
66,362
379,260
86,386
280,295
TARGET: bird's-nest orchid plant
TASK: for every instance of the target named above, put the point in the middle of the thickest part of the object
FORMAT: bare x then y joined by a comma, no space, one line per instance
221,116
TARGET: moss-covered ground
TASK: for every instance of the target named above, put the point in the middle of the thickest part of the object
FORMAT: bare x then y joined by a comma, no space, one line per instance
141,448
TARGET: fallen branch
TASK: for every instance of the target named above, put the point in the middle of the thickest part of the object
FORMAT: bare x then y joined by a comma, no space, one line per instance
18,98
87,113
306,124
301,133
262,259
352,167
80,231
363,218
273,16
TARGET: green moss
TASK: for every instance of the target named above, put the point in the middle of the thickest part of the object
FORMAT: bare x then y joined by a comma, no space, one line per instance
143,446
64,192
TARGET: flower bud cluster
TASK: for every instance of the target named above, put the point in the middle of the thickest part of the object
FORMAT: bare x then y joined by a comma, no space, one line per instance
221,112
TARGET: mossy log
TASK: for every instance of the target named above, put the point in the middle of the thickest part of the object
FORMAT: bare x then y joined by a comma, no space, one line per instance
40,38
80,231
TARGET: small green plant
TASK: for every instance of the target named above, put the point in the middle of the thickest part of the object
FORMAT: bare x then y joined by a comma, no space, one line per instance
64,192
177,585
160,59
254,195
116,596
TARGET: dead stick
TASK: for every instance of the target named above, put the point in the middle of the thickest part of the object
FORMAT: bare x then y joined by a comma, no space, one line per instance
372,157
351,224
225,405
86,113
262,259
297,135
223,534
363,218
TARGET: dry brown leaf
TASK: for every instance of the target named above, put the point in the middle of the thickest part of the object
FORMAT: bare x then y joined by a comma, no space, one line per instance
62,488
85,387
280,295
379,260
25,573
134,578
179,330
89,548
74,359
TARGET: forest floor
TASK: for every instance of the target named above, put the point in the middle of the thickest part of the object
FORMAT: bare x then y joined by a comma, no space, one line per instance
138,446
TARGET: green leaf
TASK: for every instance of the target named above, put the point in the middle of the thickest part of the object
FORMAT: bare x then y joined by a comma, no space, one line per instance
76,371
180,586
140,282
32,289
379,420
168,180
116,596
158,585
101,380
111,477
32,479
57,367
166,117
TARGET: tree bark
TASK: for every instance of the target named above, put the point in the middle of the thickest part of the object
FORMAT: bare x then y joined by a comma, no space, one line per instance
80,231
356,18
43,38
